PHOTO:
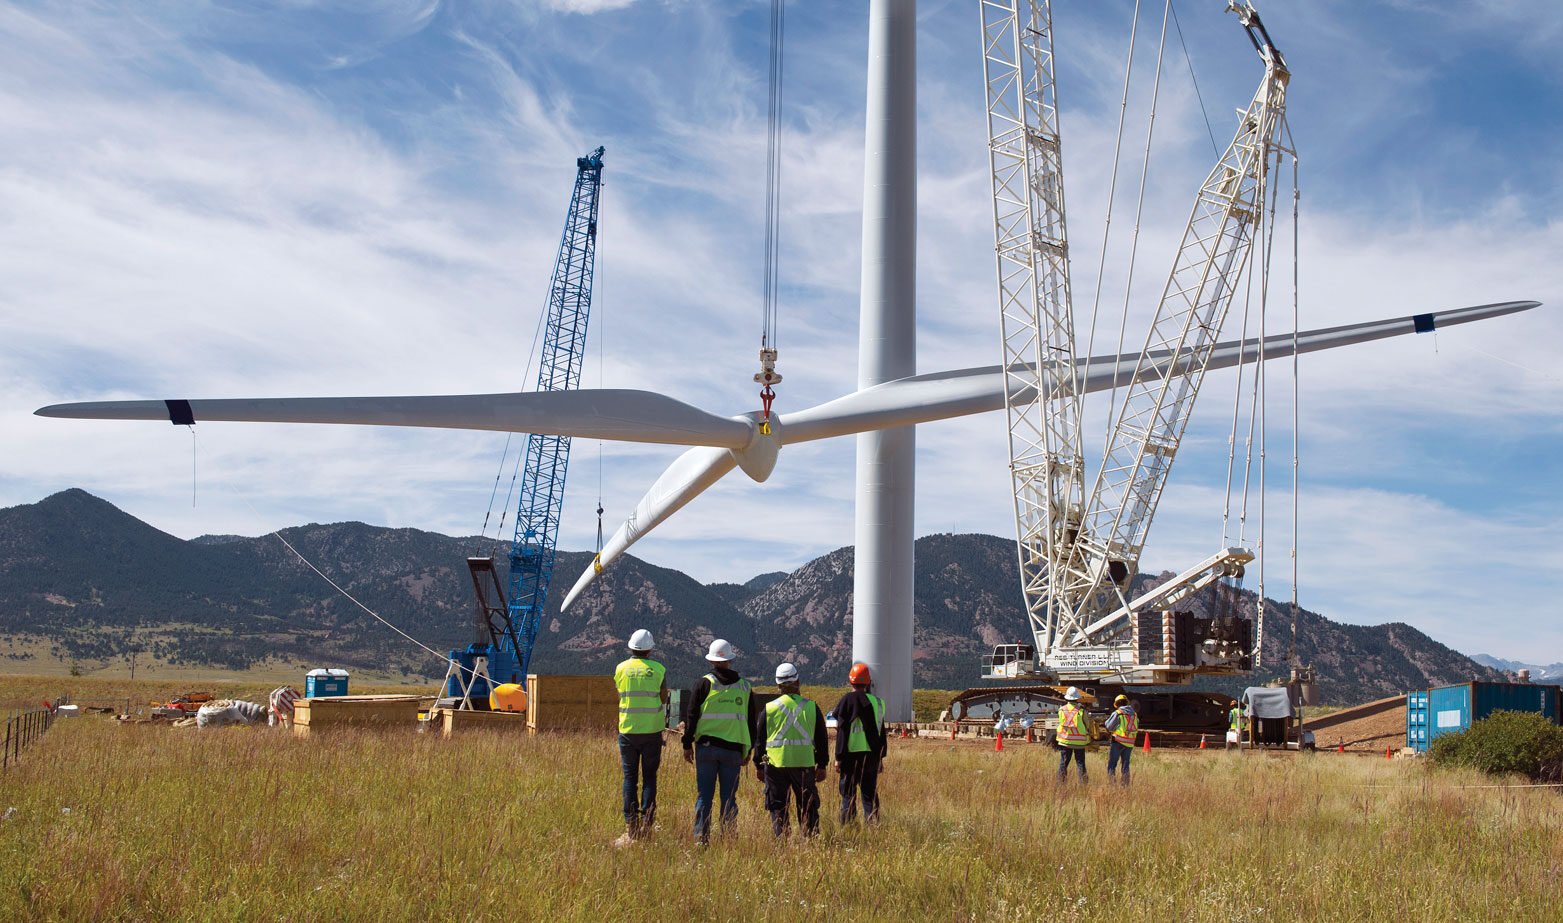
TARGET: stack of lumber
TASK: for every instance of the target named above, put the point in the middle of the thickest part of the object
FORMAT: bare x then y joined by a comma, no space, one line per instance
336,711
572,703
450,720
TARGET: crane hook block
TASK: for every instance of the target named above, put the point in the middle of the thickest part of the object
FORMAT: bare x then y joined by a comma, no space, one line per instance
766,377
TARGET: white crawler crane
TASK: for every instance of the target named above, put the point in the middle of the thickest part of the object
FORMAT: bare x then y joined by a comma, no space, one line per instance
1079,554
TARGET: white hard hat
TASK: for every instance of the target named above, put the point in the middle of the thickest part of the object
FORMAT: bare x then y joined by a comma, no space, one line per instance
641,640
1072,694
721,651
786,673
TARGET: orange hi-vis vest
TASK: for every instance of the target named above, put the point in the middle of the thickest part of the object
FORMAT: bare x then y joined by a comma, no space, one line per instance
1073,731
1127,728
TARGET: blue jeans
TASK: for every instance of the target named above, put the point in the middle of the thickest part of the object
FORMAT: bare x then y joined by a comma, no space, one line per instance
713,765
640,755
1065,754
1117,753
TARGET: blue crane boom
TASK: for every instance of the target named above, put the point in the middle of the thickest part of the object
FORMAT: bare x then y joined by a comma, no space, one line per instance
559,369
507,623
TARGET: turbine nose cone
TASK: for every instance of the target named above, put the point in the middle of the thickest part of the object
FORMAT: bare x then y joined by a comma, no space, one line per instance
758,458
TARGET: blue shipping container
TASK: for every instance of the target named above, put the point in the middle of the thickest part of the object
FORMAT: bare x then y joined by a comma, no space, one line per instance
1416,721
1453,708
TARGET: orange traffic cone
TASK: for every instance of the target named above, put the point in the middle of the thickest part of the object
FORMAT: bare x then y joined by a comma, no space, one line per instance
1340,748
998,742
1030,736
1389,753
1147,741
953,728
1202,741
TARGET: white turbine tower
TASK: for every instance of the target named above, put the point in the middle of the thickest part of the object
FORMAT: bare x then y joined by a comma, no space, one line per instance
891,398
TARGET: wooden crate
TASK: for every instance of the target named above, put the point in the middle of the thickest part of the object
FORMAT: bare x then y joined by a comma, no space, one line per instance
572,703
451,720
362,710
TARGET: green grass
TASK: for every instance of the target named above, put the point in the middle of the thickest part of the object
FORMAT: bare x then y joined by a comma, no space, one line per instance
139,822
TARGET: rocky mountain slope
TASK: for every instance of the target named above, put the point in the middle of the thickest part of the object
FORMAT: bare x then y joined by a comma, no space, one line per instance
84,582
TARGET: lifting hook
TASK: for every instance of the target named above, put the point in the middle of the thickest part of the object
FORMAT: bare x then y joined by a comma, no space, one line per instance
766,377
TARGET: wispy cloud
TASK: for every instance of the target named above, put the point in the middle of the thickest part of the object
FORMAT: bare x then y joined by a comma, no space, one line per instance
207,202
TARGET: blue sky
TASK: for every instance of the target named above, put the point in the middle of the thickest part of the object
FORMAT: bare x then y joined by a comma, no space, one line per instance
225,199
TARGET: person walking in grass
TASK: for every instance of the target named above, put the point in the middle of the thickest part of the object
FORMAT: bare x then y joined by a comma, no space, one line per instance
1074,733
1124,727
860,746
643,694
791,753
1235,725
716,738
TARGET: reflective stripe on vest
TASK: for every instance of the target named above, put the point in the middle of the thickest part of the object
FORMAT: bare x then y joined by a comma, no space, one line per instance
1072,729
640,696
857,741
1127,729
789,731
725,713
1235,716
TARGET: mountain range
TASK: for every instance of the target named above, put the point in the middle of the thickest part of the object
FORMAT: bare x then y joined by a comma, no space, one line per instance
86,583
1549,673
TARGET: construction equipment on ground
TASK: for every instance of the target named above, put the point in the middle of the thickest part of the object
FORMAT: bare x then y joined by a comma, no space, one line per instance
506,626
1079,549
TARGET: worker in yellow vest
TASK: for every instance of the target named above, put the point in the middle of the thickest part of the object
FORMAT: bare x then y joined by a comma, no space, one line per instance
791,753
860,745
1124,726
1074,733
643,696
1235,725
716,738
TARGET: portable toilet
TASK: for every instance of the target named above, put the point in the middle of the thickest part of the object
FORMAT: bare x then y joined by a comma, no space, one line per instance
319,683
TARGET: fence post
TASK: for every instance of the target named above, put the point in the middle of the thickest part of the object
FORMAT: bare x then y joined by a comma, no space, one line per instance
6,759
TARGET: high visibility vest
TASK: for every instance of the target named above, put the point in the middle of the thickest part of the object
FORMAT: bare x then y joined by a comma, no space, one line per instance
789,731
857,739
1073,731
1235,716
640,696
725,712
1127,728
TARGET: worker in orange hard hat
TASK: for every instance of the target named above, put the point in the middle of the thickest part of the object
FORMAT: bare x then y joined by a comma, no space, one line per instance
860,745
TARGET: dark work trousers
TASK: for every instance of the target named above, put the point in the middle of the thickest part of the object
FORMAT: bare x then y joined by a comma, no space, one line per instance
1119,753
859,771
715,765
640,755
1065,754
798,783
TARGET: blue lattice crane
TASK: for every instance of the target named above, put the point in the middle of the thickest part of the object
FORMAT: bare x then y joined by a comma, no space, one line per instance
507,623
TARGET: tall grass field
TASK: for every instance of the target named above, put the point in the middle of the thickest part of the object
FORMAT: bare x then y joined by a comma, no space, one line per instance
107,821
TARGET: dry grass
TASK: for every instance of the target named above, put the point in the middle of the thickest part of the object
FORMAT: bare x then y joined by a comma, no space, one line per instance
143,822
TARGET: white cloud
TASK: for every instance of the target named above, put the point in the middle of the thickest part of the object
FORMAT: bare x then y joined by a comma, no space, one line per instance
183,214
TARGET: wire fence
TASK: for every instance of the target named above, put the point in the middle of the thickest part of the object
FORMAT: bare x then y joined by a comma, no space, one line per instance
23,729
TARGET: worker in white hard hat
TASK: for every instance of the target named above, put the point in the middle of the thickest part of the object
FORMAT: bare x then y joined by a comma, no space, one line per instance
1074,734
791,754
643,697
1124,726
717,737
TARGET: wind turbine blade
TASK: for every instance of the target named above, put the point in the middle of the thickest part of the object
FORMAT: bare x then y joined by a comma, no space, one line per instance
613,414
684,480
943,395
